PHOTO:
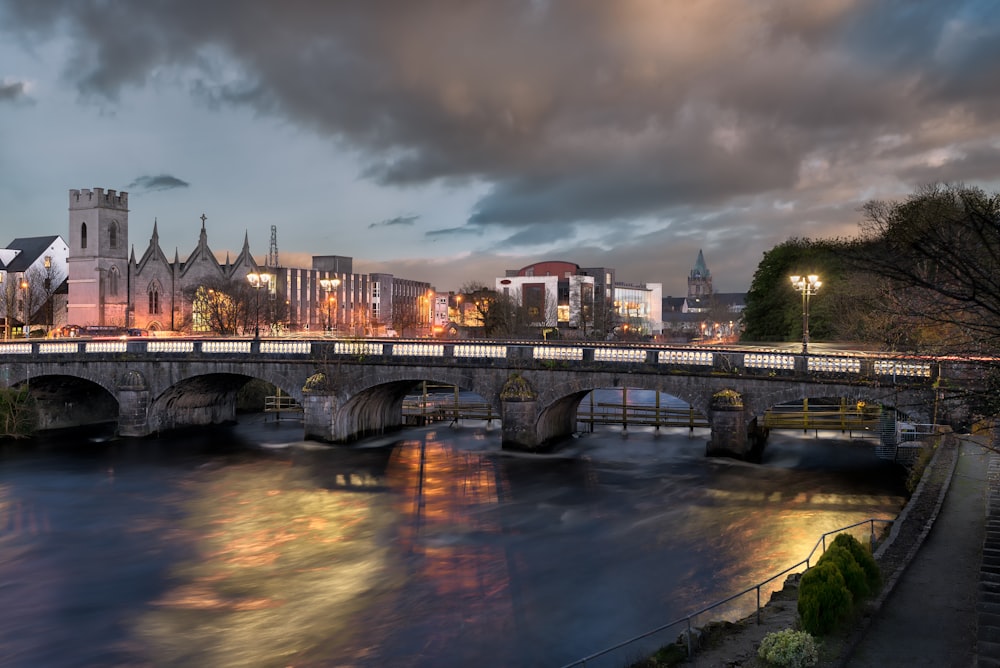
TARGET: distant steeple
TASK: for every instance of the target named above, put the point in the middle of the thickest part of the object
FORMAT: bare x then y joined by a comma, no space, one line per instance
700,268
700,279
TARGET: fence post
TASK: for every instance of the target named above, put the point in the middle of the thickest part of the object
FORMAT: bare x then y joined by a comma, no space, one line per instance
758,605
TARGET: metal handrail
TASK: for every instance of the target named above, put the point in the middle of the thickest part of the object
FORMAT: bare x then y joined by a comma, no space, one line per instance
687,619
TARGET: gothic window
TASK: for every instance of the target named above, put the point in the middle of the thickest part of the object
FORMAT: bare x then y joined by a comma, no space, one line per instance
154,300
83,235
113,277
113,234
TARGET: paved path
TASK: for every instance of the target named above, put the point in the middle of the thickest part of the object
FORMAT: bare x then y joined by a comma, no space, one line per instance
930,618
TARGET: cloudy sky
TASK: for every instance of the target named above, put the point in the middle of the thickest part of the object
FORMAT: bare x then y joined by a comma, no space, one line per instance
448,140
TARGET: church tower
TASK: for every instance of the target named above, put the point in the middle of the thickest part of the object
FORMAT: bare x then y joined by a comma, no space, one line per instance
98,257
700,279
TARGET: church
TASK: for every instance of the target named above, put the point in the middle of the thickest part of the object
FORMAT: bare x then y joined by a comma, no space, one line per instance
109,287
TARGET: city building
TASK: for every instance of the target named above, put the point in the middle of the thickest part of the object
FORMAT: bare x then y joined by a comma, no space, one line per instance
558,294
109,287
33,274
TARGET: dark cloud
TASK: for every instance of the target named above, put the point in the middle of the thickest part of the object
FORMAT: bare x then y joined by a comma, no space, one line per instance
584,111
160,182
393,222
12,92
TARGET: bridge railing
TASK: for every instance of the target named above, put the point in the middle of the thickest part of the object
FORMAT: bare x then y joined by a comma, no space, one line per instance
644,358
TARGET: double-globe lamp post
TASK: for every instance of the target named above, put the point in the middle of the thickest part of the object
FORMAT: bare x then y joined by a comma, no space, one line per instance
257,281
807,285
329,286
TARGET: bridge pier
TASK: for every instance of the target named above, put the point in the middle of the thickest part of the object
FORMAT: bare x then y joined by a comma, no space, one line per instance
518,429
133,405
319,407
735,432
519,415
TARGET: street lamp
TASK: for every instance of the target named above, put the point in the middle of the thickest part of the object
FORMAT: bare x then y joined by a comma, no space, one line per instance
48,293
24,304
329,285
807,285
258,281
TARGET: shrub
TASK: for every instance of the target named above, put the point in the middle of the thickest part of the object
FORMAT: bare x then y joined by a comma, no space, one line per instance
854,575
824,600
18,416
789,649
864,557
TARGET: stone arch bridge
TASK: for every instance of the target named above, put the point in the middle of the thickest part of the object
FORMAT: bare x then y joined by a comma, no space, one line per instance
353,388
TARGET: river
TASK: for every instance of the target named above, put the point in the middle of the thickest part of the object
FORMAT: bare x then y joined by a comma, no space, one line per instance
246,546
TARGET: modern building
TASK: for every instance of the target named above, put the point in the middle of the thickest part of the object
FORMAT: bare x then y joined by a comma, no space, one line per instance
582,300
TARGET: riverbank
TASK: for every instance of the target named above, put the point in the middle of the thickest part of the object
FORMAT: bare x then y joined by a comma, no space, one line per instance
729,645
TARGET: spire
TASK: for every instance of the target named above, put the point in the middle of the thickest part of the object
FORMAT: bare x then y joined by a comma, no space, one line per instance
156,233
246,241
131,258
700,268
227,259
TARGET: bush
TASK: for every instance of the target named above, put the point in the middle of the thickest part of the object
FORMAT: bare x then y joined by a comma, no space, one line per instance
854,575
862,555
824,600
788,648
18,415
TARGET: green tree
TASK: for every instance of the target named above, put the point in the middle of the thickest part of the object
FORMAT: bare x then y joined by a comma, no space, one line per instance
774,308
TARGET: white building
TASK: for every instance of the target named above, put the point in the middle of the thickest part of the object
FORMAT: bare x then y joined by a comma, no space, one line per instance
33,274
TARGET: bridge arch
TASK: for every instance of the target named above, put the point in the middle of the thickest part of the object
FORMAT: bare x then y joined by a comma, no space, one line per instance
362,405
65,401
205,398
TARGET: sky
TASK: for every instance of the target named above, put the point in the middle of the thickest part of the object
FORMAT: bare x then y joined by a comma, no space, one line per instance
450,140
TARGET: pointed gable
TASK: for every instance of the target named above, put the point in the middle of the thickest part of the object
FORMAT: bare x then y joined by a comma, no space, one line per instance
201,263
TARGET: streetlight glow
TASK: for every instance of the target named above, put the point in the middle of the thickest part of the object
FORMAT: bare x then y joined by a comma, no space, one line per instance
329,285
257,281
807,285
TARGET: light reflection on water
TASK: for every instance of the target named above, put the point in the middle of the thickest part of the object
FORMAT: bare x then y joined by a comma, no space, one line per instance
432,548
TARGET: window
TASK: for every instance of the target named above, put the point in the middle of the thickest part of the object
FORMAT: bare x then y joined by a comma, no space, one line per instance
113,234
113,276
154,299
83,235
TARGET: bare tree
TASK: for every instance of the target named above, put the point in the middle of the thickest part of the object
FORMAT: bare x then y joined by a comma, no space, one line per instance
225,306
935,266
932,265
26,297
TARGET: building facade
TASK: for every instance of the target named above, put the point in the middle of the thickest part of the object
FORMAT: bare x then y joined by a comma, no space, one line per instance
109,287
33,274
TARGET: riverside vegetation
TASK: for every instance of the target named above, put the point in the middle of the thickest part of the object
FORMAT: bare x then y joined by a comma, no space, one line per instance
780,638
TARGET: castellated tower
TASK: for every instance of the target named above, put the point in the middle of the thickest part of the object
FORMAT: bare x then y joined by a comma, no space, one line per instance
98,257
